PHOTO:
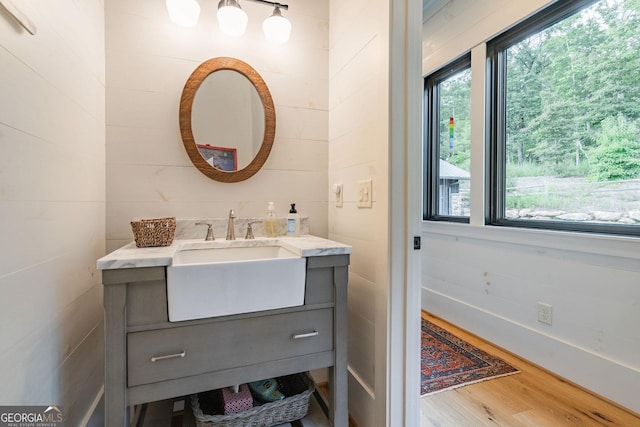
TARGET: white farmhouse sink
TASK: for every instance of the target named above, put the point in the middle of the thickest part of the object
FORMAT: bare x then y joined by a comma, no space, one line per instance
220,281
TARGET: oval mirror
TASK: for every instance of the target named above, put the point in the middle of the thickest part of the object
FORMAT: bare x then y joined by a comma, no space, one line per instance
227,119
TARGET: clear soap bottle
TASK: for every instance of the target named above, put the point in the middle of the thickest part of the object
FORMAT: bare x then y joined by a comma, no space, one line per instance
271,222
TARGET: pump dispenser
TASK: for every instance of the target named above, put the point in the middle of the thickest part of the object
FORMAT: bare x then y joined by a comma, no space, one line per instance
293,221
271,222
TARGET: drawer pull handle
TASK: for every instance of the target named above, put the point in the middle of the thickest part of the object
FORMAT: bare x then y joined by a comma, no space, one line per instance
168,356
307,335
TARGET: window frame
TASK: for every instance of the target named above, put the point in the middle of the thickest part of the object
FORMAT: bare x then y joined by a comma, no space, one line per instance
495,178
431,151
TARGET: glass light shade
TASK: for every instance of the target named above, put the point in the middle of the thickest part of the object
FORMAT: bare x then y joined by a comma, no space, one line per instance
232,20
184,12
277,28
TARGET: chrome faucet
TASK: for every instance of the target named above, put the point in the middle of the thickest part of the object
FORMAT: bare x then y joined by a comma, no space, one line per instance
209,230
231,233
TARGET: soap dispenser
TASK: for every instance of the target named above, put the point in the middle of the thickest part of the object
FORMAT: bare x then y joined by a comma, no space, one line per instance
271,222
293,222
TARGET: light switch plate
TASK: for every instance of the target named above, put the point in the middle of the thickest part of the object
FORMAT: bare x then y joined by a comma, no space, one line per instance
365,194
338,191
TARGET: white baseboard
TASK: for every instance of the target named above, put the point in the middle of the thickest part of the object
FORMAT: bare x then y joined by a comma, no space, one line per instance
93,418
361,400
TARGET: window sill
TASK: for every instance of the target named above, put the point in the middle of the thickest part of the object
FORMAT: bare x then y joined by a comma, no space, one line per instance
587,243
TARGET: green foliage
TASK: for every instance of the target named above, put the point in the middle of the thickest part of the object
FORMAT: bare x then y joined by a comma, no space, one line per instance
567,169
529,168
564,81
617,153
527,201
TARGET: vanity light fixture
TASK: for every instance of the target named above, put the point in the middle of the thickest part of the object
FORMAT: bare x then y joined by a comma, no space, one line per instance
232,19
184,12
277,28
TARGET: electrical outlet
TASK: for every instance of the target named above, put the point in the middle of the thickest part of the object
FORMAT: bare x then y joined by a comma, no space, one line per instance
545,313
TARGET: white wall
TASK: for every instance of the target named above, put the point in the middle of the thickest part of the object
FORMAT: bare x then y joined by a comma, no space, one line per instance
358,150
148,61
52,203
489,280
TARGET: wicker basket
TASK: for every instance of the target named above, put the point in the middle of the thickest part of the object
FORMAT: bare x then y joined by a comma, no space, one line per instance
153,232
298,388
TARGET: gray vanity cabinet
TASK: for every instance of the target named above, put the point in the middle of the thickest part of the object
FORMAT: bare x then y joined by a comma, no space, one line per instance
149,358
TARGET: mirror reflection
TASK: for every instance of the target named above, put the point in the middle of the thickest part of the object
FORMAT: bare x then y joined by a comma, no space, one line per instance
227,120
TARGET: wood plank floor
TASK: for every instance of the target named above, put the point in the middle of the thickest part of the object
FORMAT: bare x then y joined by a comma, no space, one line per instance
532,398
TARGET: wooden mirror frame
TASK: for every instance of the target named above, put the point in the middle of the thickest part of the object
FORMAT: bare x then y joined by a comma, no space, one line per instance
186,104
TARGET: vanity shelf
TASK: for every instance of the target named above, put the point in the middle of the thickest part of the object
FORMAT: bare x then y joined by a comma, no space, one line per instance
150,359
177,413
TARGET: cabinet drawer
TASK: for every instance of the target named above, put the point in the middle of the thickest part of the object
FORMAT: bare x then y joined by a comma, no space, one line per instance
178,352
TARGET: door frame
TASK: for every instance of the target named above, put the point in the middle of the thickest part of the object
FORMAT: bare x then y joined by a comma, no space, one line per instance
405,201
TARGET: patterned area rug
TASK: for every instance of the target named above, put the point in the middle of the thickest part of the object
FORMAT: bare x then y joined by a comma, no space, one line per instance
449,362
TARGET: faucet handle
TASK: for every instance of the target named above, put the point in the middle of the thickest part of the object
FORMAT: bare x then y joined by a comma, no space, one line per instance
249,234
210,235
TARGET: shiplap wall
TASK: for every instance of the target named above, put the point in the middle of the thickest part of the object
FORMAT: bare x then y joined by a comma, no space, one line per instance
489,280
52,204
148,61
358,150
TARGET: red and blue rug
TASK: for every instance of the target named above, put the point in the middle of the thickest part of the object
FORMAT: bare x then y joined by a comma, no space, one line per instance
448,362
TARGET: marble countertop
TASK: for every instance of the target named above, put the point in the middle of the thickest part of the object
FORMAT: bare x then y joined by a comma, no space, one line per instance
130,256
